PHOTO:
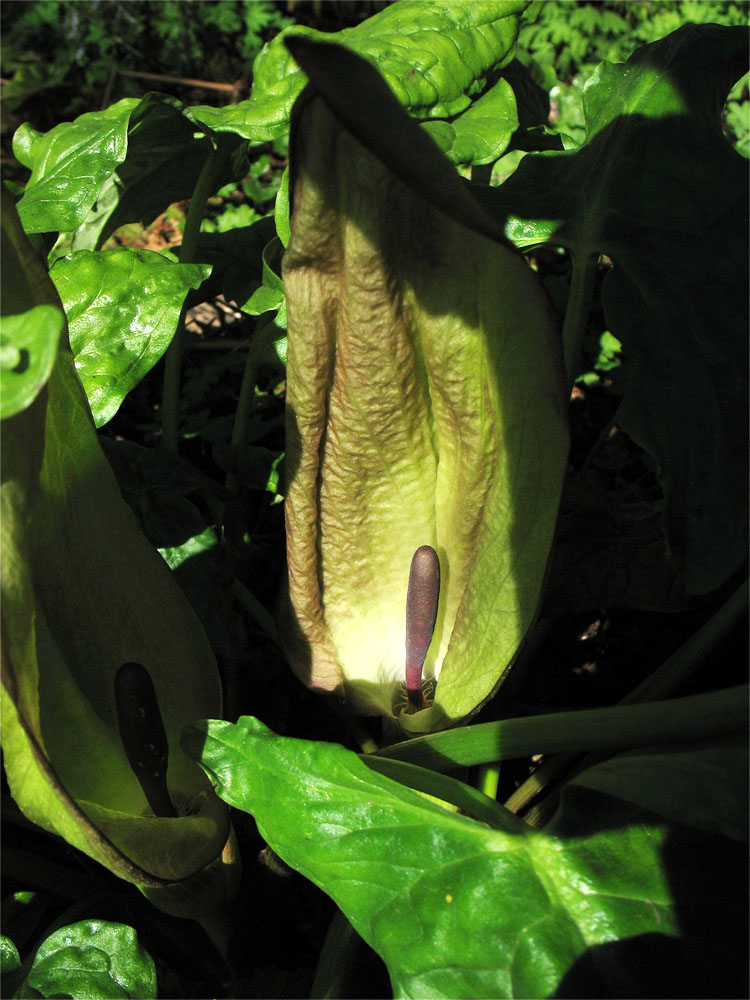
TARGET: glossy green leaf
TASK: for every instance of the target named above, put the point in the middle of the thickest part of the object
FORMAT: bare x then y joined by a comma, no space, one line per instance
93,959
425,406
658,189
270,295
10,960
532,103
28,344
69,164
84,592
123,308
32,316
281,209
458,909
175,555
481,133
263,300
436,57
130,162
167,149
107,168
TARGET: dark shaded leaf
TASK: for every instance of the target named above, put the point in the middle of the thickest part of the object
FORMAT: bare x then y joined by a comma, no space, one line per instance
658,189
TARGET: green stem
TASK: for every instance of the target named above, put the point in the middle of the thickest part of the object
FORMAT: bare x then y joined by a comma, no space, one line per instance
188,255
583,730
488,779
336,960
539,780
244,405
683,720
247,394
481,174
577,313
255,609
366,743
439,786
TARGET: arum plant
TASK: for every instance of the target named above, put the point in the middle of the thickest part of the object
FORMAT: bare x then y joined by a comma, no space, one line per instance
103,660
425,413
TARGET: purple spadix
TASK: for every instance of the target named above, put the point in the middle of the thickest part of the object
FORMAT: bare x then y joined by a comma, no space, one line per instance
421,612
143,735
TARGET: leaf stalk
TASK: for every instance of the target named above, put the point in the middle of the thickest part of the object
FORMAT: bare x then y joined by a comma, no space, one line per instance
336,960
697,717
577,312
187,255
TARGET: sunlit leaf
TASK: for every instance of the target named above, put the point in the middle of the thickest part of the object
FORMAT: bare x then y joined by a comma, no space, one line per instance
68,166
608,895
437,58
123,308
93,959
28,344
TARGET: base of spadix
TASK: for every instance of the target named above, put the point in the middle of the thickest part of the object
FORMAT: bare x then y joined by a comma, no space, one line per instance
388,698
410,701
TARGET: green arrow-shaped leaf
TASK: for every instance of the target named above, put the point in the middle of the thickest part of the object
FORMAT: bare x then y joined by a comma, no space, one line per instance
458,909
